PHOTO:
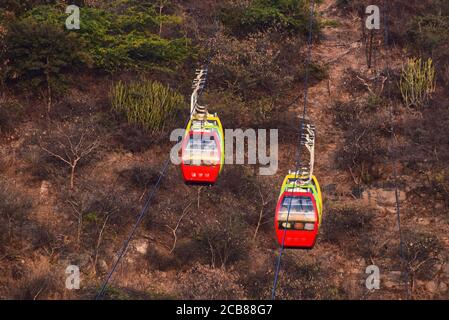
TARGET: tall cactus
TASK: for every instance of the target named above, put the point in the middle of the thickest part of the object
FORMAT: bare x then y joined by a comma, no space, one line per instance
149,104
417,82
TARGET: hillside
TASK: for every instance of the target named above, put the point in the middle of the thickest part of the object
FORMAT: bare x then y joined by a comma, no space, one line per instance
58,98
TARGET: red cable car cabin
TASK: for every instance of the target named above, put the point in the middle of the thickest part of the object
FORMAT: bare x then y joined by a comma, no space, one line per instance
201,157
301,229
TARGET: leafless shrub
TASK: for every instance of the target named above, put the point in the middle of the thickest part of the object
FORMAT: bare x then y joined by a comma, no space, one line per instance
224,241
72,144
367,132
98,210
41,237
241,182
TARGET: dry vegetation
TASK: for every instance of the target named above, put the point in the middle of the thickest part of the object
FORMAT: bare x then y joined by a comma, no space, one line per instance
73,176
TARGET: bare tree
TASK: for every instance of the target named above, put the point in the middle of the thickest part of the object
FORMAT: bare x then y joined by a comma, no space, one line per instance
96,207
175,229
71,145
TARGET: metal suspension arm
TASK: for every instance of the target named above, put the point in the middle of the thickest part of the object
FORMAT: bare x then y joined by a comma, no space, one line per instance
307,145
198,86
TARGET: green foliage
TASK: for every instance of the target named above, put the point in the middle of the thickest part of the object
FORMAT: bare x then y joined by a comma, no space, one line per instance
417,82
122,41
38,54
50,14
147,103
143,15
121,38
290,16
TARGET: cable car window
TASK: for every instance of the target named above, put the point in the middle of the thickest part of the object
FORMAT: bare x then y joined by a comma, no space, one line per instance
201,149
301,208
201,143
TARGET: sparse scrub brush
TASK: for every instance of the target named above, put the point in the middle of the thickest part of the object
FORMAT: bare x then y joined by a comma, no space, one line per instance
417,82
149,104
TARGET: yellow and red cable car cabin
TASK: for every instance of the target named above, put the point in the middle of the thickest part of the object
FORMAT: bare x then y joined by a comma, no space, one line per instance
298,213
202,150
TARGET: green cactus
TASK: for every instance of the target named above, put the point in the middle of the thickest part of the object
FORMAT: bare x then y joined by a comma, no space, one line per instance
149,104
417,82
